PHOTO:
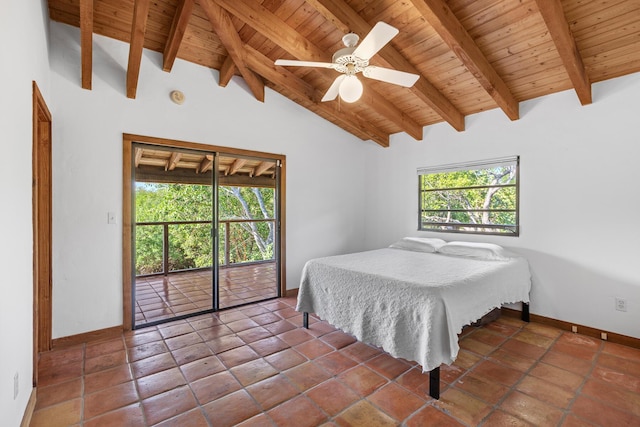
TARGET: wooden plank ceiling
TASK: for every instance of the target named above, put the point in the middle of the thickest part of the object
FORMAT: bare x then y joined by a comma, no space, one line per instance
471,55
164,165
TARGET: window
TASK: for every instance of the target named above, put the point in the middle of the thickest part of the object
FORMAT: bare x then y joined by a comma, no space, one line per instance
478,197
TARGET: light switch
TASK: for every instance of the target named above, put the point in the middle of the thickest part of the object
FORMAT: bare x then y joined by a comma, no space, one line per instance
111,217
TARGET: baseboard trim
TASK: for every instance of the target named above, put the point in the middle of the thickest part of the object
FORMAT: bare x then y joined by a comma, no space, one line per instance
292,293
100,334
31,406
580,329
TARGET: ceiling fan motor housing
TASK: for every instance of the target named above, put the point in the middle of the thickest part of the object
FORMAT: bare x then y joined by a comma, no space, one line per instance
348,63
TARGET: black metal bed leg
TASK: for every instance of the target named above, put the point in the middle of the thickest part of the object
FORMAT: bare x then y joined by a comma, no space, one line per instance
525,311
434,383
305,320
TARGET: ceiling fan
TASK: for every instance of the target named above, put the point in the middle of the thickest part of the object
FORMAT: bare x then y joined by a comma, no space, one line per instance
351,60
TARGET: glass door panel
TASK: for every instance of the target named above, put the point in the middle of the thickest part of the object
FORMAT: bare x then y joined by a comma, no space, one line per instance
248,230
173,222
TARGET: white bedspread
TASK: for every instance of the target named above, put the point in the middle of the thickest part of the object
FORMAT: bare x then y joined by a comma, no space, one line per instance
412,304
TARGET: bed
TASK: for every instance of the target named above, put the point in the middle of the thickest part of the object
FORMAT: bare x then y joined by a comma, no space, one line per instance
413,298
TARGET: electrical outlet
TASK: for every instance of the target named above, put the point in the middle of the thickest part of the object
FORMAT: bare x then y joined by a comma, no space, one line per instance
621,304
603,336
16,385
574,329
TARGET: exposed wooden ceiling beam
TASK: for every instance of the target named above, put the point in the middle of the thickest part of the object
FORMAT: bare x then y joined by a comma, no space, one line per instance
553,15
173,161
223,27
136,43
346,17
205,164
86,41
308,97
261,168
235,166
246,33
178,27
279,32
138,156
226,72
442,19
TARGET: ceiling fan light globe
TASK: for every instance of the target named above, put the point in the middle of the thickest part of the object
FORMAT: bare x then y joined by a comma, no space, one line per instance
350,89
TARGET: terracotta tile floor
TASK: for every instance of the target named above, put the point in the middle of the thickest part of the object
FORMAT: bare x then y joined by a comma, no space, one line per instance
256,366
164,297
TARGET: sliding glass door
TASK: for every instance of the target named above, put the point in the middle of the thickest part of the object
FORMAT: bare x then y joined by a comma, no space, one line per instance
205,232
248,233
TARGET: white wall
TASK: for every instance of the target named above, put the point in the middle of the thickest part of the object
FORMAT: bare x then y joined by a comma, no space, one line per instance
324,185
24,49
580,196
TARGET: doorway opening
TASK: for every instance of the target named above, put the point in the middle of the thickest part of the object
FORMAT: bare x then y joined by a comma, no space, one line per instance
204,230
42,228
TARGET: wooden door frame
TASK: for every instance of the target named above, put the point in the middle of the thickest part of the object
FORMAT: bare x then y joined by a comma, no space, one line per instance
42,228
127,205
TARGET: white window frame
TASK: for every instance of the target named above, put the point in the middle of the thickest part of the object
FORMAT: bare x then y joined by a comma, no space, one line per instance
470,228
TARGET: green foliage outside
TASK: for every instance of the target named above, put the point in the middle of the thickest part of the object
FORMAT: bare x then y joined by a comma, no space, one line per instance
467,200
190,245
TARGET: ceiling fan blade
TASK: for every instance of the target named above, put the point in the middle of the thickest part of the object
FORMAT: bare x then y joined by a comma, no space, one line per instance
390,76
294,63
379,36
332,93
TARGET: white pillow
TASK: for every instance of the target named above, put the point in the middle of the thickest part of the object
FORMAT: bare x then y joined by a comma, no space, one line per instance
418,244
487,251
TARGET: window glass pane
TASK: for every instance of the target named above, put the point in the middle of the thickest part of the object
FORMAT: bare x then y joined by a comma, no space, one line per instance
475,200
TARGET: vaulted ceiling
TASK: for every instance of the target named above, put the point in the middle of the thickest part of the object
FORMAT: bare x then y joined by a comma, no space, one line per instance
471,55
